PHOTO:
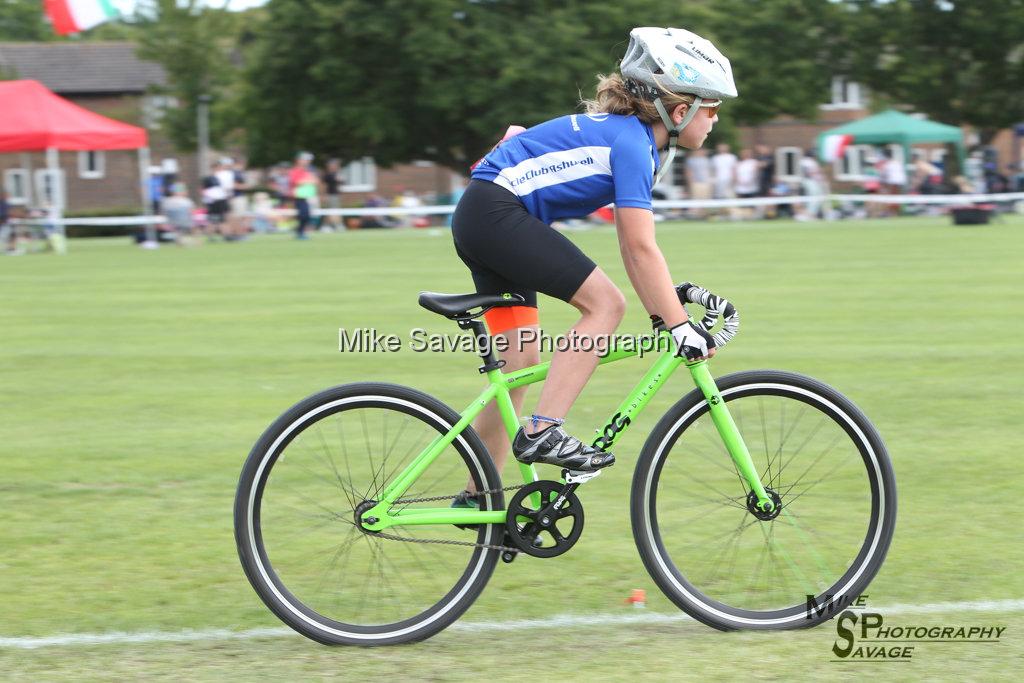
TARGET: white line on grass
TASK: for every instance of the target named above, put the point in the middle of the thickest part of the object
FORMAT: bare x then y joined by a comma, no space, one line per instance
564,620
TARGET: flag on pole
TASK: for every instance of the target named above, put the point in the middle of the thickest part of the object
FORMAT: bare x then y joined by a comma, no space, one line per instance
75,16
833,146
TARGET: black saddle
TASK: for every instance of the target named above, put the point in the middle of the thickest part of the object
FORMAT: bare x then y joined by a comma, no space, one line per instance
461,306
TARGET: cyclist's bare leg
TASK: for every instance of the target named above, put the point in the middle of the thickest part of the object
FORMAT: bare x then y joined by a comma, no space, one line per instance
488,424
602,306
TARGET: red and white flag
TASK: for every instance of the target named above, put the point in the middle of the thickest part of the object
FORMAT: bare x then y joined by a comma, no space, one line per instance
75,16
833,146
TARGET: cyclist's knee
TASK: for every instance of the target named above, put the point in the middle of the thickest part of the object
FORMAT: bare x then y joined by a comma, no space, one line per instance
598,296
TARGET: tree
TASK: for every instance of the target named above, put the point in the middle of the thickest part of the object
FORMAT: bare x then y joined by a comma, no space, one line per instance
957,61
427,79
441,79
23,20
194,45
780,55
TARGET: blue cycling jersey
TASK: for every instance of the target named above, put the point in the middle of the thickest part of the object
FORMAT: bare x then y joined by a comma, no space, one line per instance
573,165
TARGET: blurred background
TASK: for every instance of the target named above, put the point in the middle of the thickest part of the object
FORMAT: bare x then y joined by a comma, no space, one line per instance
860,202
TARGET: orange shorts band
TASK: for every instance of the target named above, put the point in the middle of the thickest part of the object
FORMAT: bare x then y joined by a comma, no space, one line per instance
505,318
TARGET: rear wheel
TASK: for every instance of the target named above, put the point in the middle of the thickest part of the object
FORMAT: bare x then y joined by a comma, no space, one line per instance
295,513
694,521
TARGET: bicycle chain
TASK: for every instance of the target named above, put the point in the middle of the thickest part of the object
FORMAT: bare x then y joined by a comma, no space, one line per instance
440,541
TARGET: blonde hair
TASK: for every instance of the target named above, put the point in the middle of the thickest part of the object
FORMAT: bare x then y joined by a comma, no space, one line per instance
613,97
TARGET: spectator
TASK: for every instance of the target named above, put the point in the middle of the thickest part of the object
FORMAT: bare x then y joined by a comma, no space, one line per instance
156,189
812,180
1015,172
766,169
747,180
724,165
894,178
698,177
375,201
239,201
927,176
7,232
407,199
278,181
215,198
332,192
262,207
302,186
782,189
177,209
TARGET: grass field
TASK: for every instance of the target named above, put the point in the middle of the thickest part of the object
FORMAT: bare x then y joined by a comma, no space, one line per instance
134,383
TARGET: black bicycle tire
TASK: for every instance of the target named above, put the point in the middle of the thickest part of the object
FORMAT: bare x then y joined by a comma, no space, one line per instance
249,546
641,504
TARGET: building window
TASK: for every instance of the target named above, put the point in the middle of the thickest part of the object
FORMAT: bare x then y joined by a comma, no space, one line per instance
359,176
16,186
91,165
787,162
846,94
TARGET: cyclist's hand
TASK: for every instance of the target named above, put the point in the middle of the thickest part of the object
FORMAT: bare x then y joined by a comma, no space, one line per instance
693,342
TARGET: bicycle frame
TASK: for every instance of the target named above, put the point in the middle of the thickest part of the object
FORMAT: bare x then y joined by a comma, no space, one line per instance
498,388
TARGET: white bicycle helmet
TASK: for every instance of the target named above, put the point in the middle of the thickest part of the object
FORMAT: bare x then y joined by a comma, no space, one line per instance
677,61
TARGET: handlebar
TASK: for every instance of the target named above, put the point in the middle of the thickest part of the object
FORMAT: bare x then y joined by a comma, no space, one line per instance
715,307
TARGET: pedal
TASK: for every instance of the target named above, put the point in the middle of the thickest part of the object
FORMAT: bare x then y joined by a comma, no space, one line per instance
578,476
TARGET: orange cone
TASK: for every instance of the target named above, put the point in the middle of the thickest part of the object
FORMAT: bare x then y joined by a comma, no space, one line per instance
637,598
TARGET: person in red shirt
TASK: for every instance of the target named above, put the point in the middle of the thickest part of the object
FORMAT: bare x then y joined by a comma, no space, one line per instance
303,185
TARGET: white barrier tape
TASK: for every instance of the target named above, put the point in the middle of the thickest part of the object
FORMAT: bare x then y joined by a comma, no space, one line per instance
954,199
440,210
112,220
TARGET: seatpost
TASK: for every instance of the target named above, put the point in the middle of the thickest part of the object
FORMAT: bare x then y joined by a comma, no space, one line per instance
484,345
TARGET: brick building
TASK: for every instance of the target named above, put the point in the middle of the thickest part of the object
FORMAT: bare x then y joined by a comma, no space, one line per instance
104,77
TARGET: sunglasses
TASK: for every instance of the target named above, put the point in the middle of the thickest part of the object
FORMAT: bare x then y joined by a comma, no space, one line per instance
712,107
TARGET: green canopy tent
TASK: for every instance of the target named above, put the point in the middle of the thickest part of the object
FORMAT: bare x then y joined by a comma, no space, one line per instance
896,127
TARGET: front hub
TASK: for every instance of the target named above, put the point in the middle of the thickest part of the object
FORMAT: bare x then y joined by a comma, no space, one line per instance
765,515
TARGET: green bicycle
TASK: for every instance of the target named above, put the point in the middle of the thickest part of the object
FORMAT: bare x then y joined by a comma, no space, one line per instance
751,496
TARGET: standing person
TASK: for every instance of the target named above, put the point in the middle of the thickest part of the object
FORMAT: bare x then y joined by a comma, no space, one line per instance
813,181
331,181
225,174
567,168
724,165
7,231
698,177
302,186
239,201
766,177
894,178
215,198
747,179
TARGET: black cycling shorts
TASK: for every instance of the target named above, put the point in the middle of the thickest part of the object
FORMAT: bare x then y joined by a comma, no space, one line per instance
509,250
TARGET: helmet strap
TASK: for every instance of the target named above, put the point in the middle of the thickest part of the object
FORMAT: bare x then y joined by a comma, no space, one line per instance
673,131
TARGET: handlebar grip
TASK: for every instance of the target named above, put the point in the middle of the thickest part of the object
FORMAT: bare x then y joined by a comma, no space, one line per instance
715,307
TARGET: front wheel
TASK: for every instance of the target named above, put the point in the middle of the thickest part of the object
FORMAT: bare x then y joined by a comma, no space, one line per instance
694,518
296,509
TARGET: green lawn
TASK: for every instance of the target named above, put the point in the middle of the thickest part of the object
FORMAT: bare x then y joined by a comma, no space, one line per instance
134,383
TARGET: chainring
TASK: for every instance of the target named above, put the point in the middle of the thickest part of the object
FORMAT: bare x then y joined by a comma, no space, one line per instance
547,530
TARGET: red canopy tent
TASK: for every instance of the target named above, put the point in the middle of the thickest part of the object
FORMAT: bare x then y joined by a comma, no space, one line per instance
34,119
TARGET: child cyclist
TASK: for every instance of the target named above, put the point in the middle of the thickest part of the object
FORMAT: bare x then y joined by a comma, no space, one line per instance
668,92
